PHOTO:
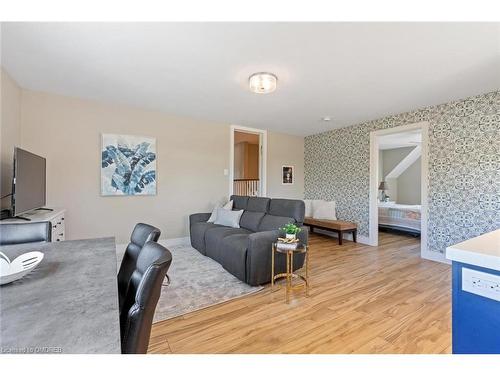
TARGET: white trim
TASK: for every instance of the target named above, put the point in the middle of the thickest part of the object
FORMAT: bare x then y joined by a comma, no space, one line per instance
374,155
262,156
347,236
175,241
121,247
435,256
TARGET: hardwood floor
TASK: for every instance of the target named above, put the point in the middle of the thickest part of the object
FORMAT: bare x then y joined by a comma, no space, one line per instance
363,299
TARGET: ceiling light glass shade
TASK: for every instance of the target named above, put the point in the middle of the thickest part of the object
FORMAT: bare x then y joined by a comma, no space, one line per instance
262,83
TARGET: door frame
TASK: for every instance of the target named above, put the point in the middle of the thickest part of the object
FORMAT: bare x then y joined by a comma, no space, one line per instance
374,159
262,156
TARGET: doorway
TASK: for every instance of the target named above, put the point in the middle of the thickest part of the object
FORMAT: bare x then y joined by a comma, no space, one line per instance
396,193
247,173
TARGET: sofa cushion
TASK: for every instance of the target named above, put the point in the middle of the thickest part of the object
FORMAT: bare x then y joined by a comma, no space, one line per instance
239,202
215,235
251,220
198,231
289,208
272,222
234,254
258,204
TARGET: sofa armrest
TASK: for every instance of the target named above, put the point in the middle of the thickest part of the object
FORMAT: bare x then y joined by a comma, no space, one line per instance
303,235
198,218
259,249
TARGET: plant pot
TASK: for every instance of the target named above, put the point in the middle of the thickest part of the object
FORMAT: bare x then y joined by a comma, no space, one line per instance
291,236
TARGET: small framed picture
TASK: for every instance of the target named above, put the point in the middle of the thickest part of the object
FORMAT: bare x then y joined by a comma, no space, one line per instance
287,175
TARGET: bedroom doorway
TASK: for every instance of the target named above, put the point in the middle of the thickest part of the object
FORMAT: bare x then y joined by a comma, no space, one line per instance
398,183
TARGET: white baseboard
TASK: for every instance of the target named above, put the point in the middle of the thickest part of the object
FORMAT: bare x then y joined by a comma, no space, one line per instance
347,236
120,248
435,256
175,241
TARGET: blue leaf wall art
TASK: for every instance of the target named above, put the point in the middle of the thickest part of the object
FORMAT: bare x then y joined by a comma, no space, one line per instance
128,165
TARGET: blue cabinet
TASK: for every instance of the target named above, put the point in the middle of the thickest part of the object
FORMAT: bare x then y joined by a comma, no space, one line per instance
476,319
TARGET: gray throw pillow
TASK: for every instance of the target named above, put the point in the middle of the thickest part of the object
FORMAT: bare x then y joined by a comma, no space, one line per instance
228,218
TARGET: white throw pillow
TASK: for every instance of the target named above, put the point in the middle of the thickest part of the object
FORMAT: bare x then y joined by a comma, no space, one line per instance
228,218
324,210
309,208
213,217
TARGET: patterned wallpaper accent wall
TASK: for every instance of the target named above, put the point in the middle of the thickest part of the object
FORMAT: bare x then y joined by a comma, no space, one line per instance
464,168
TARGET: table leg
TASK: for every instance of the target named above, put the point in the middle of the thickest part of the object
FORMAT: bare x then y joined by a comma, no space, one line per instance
272,268
307,272
340,236
288,281
354,235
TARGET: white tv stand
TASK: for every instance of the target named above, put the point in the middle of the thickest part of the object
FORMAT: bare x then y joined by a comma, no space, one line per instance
55,217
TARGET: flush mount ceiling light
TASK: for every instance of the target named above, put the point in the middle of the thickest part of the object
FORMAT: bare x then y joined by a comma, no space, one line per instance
326,118
262,83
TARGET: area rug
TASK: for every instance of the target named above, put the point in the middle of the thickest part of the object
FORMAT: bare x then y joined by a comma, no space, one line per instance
196,282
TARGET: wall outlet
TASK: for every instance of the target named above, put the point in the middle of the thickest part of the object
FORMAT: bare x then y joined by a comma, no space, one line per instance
481,283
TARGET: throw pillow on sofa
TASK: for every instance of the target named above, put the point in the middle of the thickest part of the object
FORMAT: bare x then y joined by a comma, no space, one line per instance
324,210
228,218
227,206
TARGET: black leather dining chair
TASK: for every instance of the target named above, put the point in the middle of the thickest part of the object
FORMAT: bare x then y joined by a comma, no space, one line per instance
19,233
141,297
141,234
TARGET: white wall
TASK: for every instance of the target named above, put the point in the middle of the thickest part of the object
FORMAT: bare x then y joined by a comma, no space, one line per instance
192,156
409,186
10,132
406,188
284,149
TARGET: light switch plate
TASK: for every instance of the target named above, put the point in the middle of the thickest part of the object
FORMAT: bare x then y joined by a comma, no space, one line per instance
481,283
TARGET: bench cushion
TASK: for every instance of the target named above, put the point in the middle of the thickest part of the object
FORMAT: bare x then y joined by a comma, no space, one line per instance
330,224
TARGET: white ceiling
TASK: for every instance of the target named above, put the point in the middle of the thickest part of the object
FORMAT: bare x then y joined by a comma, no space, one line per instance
352,72
410,138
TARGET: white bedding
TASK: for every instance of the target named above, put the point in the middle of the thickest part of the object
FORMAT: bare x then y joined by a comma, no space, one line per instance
399,215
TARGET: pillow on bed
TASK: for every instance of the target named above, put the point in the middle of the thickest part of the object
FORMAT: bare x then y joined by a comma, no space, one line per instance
324,210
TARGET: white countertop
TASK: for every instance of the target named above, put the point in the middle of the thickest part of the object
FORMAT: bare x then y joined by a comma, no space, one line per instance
481,251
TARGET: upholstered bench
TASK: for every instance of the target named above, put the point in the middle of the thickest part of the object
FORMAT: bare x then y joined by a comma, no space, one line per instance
338,226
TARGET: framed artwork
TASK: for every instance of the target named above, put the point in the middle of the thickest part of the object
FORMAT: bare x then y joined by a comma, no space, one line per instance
128,165
287,175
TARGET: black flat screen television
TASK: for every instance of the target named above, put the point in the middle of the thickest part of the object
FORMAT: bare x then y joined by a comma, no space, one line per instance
28,183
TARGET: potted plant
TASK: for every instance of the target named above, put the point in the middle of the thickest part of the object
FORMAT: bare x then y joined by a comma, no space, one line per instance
291,230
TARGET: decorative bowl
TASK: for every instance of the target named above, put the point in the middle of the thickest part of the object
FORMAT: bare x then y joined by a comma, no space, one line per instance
19,267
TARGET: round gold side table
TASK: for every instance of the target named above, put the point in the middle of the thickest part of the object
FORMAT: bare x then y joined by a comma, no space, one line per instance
289,274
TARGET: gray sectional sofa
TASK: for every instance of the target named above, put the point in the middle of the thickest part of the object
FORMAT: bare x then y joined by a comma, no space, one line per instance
246,251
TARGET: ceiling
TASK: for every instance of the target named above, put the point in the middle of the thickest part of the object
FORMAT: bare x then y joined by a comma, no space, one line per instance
352,72
410,138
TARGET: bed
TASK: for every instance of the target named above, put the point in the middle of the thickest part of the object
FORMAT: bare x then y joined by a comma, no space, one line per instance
400,217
